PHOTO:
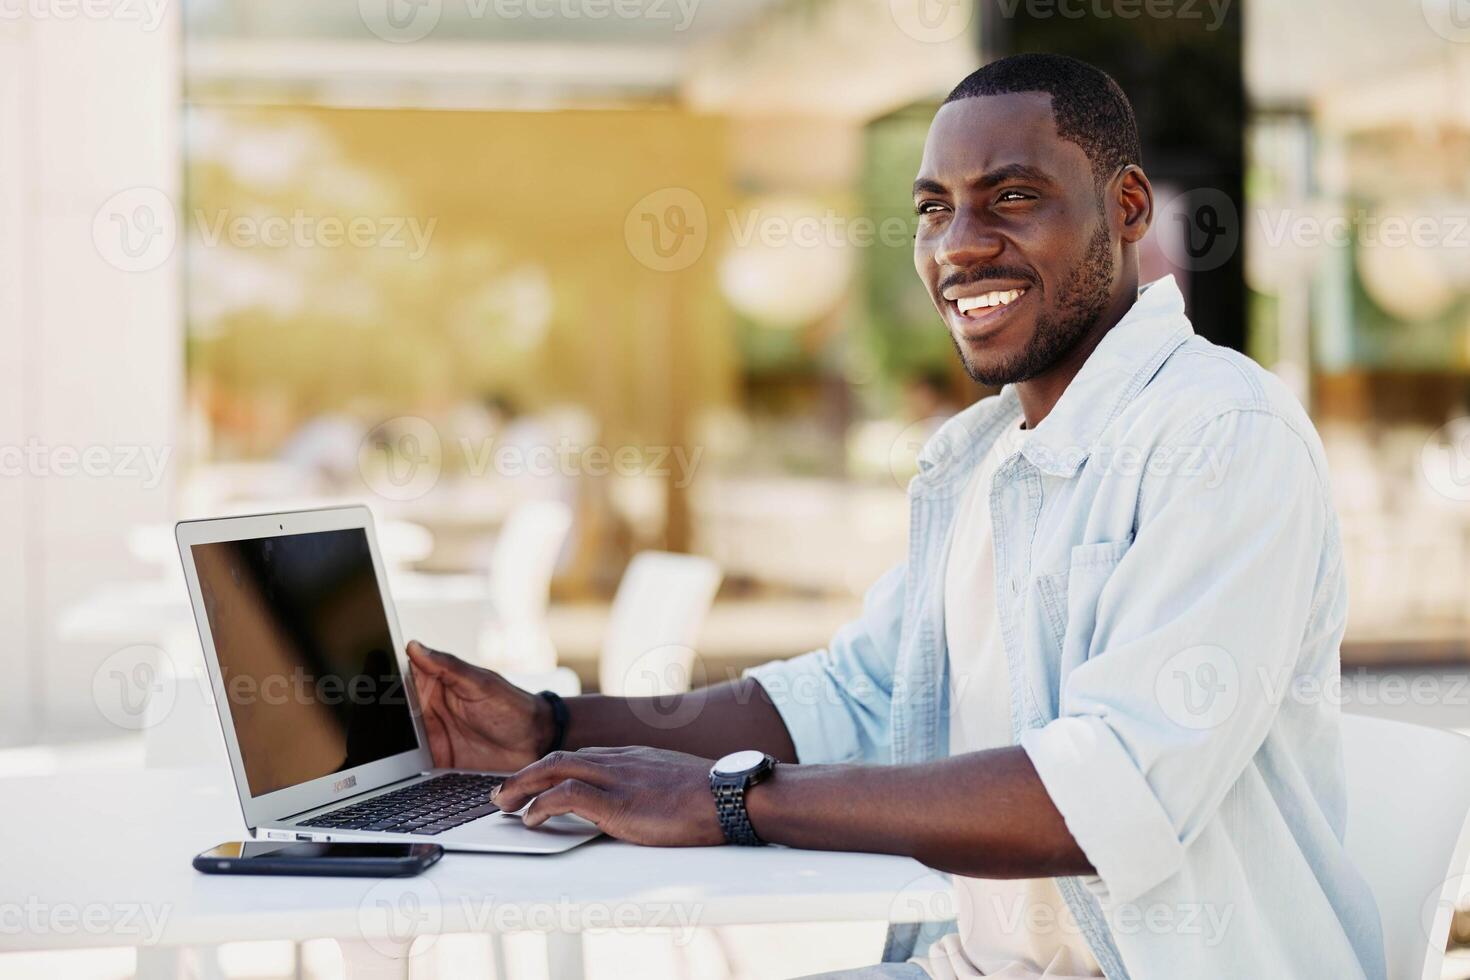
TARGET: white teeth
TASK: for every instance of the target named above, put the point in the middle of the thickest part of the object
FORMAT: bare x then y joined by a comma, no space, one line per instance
998,297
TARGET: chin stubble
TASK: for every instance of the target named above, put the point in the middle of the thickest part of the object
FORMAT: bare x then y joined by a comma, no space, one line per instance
1081,300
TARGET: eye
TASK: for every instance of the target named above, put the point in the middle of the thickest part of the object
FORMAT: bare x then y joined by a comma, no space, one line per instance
1012,196
928,207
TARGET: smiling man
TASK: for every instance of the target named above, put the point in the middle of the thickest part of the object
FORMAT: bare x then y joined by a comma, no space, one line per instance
1070,696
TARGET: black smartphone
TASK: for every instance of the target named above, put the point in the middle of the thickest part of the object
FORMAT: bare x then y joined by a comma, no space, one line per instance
367,860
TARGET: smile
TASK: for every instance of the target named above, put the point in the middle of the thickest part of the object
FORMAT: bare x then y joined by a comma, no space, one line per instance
977,307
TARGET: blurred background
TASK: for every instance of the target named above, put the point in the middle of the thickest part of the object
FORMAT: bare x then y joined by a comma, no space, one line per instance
554,285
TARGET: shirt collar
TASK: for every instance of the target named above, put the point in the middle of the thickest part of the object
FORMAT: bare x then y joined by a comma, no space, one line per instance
1123,362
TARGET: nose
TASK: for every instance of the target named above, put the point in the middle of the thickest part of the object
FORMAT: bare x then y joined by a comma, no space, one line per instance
967,241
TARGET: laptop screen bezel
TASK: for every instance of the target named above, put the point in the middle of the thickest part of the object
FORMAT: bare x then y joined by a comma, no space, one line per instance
282,803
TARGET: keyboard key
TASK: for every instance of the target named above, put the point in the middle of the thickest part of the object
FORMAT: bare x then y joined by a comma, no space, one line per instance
431,807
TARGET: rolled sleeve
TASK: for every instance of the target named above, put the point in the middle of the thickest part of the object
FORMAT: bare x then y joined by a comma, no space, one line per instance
1128,839
837,703
1207,607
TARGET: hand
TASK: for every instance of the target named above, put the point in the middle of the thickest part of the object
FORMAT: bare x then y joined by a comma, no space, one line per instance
476,719
641,795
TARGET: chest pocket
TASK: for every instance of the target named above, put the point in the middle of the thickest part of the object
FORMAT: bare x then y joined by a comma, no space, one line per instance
1068,606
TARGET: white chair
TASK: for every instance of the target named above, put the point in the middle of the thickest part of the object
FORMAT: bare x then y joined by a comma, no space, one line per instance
521,566
661,603
1408,796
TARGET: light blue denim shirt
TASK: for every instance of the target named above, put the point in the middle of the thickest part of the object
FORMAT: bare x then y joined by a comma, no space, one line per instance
1169,583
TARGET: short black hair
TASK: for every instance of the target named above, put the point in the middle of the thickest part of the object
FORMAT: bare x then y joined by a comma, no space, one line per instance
1088,106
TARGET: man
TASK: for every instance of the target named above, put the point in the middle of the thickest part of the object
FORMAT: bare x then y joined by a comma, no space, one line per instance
1073,695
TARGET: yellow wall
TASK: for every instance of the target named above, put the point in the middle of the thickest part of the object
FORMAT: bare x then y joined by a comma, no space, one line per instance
518,198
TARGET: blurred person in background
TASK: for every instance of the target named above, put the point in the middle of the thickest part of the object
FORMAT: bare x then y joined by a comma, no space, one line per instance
1065,697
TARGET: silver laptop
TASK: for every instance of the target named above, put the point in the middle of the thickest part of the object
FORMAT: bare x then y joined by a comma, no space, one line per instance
322,726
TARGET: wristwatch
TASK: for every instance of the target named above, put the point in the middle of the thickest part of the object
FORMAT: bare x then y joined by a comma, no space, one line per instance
729,778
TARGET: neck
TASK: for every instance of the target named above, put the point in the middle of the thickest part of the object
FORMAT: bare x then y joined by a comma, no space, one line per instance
1039,395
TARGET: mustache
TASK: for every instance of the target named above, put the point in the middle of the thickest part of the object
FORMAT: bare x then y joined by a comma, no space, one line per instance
966,276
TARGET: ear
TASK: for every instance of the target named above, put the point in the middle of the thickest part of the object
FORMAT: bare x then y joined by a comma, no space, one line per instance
1133,200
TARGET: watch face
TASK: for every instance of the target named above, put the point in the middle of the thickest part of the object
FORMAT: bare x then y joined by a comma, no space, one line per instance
738,762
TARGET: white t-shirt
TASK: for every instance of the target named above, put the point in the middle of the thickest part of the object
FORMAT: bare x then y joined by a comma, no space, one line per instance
1008,928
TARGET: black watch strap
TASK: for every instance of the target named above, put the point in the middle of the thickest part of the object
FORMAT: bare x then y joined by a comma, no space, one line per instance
729,787
559,718
730,807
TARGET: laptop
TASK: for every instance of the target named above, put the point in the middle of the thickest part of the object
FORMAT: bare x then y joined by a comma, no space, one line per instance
321,723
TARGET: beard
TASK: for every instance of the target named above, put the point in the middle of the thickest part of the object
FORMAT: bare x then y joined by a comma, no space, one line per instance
1080,301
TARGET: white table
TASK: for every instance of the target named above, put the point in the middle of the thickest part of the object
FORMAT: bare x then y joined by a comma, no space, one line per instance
94,860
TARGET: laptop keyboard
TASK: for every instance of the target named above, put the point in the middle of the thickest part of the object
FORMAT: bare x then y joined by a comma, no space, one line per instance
430,807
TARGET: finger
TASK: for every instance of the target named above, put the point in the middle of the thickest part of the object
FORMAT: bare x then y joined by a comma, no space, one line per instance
440,748
456,675
570,796
540,776
422,657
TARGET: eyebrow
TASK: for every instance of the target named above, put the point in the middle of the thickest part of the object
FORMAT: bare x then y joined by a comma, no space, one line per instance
1011,171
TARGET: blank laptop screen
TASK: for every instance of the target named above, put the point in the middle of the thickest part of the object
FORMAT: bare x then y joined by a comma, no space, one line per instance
305,654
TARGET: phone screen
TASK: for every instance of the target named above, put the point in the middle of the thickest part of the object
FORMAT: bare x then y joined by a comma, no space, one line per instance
238,850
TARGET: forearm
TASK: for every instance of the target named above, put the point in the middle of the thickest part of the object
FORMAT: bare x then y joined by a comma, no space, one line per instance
708,722
984,814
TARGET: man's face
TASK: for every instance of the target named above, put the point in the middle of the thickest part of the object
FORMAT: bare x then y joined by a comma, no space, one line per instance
1012,243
